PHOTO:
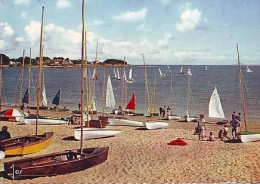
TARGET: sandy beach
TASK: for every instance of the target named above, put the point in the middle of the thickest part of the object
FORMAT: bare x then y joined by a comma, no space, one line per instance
143,156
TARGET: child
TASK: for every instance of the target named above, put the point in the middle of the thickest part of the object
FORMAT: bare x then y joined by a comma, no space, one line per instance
225,132
211,137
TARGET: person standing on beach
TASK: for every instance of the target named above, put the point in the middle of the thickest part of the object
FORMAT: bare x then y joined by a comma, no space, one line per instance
201,126
168,111
233,115
235,124
160,111
163,111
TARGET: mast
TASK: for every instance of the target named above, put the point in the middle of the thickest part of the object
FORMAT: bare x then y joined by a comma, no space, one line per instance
146,84
242,89
29,83
87,80
188,96
39,74
21,83
1,82
171,92
82,75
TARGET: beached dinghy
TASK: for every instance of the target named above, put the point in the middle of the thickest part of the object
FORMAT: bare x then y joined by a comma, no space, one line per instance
125,122
249,136
95,133
56,163
156,125
31,120
26,144
173,117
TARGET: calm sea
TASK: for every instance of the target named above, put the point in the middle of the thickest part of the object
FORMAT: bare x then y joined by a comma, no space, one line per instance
202,84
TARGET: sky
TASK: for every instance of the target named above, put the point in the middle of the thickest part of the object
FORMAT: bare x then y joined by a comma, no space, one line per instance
170,32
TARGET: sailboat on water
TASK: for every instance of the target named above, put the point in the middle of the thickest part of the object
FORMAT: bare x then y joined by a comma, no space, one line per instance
245,136
248,69
118,74
30,143
215,107
161,74
181,71
130,78
115,74
61,162
189,72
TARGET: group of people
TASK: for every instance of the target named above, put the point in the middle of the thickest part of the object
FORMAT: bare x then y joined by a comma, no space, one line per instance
223,132
164,112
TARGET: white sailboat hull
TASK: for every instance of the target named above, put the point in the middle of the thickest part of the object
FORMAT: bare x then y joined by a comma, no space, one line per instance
156,125
190,119
174,117
45,121
95,133
249,138
125,122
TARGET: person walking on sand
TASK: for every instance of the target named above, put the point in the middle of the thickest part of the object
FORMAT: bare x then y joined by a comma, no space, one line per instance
235,124
201,126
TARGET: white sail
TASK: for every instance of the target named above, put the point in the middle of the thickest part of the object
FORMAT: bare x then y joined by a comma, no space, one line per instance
206,68
110,99
44,97
125,77
248,69
168,66
215,107
131,74
118,75
189,72
94,76
181,71
160,71
115,73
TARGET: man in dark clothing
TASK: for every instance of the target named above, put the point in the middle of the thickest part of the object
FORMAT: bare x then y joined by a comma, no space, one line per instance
4,134
160,111
235,124
234,115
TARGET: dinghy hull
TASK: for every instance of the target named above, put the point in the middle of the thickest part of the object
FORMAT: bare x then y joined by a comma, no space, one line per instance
26,145
174,117
156,125
56,163
249,138
46,121
125,122
95,133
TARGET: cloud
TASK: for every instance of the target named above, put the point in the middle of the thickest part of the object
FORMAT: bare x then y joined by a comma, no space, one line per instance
20,2
142,27
165,2
95,23
8,39
191,19
132,16
63,4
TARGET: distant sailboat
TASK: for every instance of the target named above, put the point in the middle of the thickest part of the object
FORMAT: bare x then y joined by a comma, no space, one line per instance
206,68
130,75
215,107
181,71
118,75
115,74
248,69
125,76
161,74
168,66
44,97
189,72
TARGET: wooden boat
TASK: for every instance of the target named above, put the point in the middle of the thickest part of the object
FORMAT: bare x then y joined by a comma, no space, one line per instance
173,117
95,133
156,125
42,120
56,163
26,144
125,122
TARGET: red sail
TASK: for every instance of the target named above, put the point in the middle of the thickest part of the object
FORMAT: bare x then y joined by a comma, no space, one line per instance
131,103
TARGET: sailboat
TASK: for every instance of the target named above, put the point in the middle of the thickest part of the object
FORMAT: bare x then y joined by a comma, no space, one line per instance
215,107
172,116
110,98
115,74
161,74
118,75
181,71
151,125
125,76
31,143
206,68
44,97
245,136
189,118
189,72
248,69
130,78
168,66
62,162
